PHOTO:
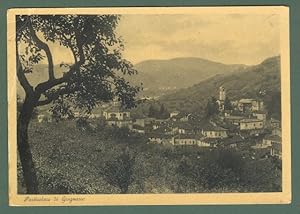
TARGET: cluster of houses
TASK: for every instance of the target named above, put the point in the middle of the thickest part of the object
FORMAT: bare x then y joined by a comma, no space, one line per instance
246,121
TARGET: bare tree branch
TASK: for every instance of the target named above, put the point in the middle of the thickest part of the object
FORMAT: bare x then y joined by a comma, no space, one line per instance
46,48
80,50
55,96
22,78
44,102
44,86
79,43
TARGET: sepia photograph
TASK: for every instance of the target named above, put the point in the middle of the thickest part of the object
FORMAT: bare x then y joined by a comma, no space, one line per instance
161,105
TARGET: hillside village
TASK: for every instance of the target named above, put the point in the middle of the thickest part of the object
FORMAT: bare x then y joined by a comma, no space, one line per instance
245,123
149,103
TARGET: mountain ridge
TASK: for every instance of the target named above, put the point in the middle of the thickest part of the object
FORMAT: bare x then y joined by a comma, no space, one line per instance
263,77
178,72
158,76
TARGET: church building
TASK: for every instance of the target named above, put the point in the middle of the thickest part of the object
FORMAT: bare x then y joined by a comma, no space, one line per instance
116,115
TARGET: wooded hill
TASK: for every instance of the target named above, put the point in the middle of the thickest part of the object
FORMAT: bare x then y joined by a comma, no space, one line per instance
262,80
203,77
158,76
164,76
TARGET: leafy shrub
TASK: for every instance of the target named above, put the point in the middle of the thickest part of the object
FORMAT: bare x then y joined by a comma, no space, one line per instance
72,161
119,171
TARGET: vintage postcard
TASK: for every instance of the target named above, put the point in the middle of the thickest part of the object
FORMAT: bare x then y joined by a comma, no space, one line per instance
149,106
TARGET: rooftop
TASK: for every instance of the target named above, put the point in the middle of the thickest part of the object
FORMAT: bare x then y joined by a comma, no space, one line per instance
210,140
157,135
116,106
245,100
250,120
274,120
277,147
116,109
140,117
234,117
138,127
273,138
185,136
183,125
210,127
260,112
248,100
233,139
163,129
181,115
116,119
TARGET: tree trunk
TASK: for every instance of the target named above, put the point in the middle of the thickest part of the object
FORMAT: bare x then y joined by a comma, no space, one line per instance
28,168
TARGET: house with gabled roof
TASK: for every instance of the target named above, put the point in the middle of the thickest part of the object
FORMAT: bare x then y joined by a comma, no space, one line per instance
116,115
276,150
181,116
137,128
208,142
261,115
120,123
182,128
116,111
246,105
184,139
274,123
271,139
214,131
251,124
174,114
141,120
158,137
233,141
234,119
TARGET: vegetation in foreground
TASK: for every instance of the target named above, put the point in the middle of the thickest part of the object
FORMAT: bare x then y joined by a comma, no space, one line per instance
74,158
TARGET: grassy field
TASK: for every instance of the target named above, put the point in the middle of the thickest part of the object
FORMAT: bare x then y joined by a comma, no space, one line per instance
89,160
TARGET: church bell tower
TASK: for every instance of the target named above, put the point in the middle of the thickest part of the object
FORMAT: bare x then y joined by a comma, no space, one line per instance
222,93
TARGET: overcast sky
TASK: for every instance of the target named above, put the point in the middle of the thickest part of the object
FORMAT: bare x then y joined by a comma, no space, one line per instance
231,39
235,38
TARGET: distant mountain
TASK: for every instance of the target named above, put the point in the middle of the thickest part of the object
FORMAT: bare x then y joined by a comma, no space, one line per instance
195,80
254,81
159,76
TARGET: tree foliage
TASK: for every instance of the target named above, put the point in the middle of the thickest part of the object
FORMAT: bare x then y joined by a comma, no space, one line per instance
119,171
94,76
273,104
151,112
217,170
212,107
227,104
158,111
73,162
97,52
163,112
